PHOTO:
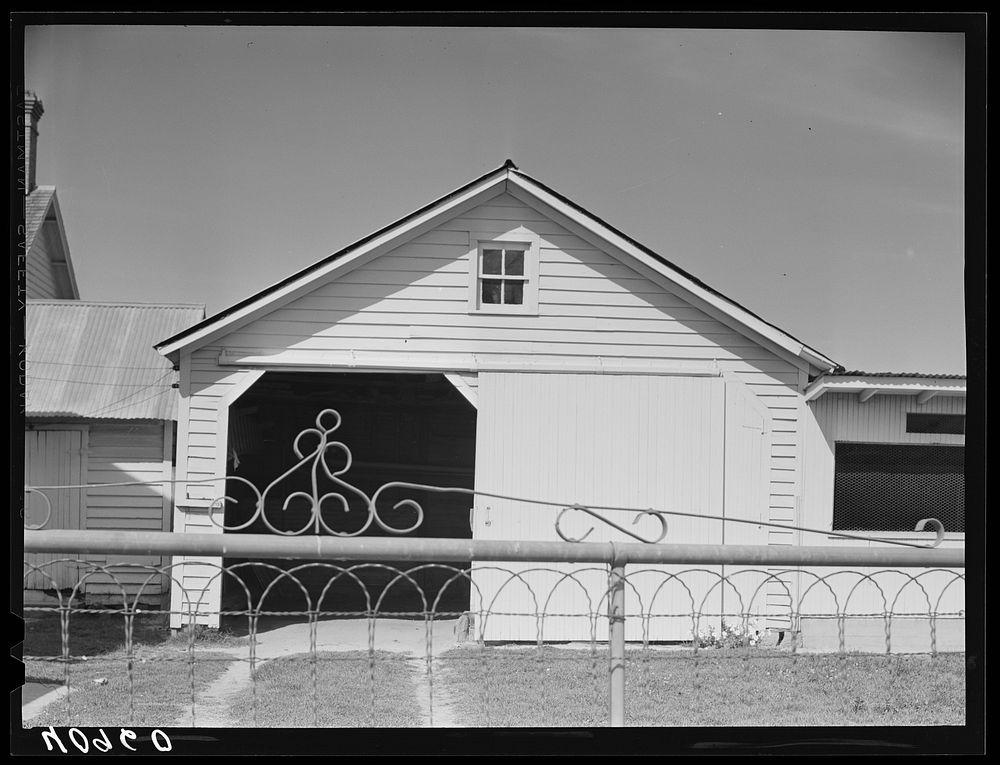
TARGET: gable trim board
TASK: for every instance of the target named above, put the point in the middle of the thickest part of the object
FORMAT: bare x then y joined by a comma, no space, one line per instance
532,193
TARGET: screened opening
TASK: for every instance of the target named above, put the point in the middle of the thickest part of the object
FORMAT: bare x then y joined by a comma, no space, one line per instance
935,423
889,487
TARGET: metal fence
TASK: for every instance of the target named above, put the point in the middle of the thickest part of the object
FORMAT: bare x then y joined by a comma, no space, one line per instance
287,655
312,625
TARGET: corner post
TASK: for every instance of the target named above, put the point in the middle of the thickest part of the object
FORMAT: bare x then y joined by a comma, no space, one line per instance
616,642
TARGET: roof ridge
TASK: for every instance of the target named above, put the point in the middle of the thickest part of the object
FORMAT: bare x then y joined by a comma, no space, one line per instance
509,172
662,259
316,265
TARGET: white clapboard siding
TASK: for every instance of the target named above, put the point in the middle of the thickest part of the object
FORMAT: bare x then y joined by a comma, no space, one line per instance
53,458
123,453
412,303
40,278
748,455
882,419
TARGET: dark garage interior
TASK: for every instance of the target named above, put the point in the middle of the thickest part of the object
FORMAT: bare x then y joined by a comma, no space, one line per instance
399,427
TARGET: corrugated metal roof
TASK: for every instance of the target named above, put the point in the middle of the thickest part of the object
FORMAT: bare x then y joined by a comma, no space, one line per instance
923,375
36,206
96,360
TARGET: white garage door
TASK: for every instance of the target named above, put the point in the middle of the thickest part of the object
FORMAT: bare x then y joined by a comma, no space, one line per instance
616,440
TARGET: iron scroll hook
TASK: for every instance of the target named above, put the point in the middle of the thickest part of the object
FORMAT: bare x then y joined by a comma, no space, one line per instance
938,527
639,515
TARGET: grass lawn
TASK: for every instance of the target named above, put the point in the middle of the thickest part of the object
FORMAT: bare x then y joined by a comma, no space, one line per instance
343,692
498,687
161,683
343,688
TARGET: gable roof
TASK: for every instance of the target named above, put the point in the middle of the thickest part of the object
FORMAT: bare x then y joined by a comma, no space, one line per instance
96,360
507,178
36,207
42,205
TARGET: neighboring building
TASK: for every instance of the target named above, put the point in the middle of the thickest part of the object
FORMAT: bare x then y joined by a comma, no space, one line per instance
101,408
49,270
883,451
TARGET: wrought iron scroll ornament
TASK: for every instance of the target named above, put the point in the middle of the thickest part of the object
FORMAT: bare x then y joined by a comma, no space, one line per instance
317,459
658,515
29,493
938,527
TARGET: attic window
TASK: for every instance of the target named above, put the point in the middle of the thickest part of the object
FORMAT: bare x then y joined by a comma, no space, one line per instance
504,275
501,276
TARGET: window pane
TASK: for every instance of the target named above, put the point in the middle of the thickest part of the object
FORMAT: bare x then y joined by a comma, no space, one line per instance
935,423
513,292
514,262
491,291
491,261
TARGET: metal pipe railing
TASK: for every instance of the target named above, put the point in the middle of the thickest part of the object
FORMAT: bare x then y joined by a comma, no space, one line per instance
468,550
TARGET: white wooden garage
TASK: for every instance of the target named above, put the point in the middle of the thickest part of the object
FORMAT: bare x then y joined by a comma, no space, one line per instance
596,371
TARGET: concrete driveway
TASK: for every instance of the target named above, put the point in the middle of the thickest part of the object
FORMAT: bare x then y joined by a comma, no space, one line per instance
414,637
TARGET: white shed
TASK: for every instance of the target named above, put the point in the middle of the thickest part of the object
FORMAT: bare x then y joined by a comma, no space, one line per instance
883,451
506,339
100,409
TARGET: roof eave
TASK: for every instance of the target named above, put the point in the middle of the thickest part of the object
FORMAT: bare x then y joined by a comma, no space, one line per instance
740,315
286,289
869,386
507,174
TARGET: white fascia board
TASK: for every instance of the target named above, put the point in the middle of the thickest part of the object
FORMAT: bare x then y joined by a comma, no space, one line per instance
523,189
905,386
67,263
274,297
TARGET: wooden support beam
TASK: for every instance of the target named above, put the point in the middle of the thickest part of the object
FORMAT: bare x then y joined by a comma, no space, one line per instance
463,384
866,394
926,396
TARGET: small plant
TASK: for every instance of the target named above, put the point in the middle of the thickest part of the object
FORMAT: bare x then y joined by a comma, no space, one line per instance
731,636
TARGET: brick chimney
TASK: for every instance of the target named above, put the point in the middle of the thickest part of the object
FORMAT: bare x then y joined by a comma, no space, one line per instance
32,113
